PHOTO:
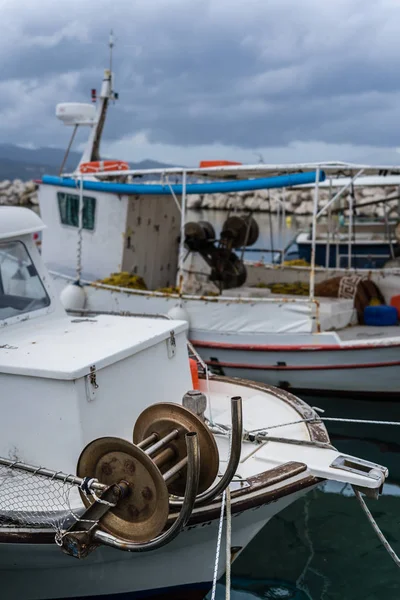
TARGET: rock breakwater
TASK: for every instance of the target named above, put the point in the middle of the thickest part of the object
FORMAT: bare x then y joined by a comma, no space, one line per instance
18,193
297,201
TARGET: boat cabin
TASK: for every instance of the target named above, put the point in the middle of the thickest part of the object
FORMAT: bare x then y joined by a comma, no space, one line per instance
59,374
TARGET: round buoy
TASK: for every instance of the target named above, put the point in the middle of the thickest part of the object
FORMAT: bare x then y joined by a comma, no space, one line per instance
179,313
143,513
73,297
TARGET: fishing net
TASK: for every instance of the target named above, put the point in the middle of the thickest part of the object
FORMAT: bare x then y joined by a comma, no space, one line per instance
28,499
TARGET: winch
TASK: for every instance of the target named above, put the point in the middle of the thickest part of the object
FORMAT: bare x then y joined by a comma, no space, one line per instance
227,269
127,487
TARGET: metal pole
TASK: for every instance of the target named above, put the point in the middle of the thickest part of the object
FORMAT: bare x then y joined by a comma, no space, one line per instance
68,149
283,227
351,201
328,230
182,239
234,457
340,192
48,474
314,235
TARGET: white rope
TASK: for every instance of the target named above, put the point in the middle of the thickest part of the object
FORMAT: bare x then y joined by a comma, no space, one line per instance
376,528
173,194
218,550
80,228
316,419
228,557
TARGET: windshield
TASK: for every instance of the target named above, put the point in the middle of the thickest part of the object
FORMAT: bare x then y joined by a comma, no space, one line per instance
21,289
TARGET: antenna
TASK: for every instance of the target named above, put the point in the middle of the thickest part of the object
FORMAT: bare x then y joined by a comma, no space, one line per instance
111,46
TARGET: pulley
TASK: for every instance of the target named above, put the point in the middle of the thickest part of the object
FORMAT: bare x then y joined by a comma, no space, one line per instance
228,272
160,431
240,231
198,235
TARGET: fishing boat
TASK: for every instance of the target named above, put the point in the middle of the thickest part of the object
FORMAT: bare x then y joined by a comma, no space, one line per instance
118,240
118,460
373,244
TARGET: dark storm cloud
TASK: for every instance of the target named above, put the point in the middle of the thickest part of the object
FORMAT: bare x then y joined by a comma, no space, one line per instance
248,74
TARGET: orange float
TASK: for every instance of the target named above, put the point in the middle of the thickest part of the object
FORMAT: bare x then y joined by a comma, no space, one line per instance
195,373
103,166
206,164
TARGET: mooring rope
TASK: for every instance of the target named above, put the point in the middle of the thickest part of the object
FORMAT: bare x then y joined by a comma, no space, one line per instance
376,528
218,550
228,557
225,508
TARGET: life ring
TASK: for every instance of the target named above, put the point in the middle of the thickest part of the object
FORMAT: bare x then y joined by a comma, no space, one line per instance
102,166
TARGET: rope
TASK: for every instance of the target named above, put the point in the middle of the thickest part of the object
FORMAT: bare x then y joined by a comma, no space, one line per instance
376,528
228,545
316,419
218,550
80,228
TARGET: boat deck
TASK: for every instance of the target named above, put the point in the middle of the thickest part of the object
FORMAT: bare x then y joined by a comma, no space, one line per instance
365,332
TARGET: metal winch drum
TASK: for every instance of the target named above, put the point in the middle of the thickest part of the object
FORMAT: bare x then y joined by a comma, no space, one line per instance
150,469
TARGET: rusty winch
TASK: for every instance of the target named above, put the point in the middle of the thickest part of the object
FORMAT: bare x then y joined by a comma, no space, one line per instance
128,488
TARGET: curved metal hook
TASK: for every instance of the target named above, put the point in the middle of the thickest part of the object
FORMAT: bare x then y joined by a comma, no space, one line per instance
192,483
234,457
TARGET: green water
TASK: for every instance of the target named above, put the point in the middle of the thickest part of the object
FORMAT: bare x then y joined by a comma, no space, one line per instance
322,547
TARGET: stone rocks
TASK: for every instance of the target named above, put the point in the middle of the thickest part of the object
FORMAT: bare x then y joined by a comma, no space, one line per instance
18,193
296,201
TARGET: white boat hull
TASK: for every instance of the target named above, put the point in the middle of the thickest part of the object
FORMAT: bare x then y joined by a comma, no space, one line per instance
305,363
43,571
368,371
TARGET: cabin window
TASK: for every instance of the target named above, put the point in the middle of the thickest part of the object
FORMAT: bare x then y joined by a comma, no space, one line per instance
21,289
68,205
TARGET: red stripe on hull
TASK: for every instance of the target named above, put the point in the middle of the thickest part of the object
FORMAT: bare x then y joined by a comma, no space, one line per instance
289,347
228,365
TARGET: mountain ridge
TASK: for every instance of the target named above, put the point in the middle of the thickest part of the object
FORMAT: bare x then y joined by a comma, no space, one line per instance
18,162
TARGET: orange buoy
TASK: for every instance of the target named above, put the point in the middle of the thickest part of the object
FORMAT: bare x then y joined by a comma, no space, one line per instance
395,301
195,373
205,164
103,166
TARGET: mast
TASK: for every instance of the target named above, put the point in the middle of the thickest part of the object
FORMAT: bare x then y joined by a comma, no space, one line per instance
92,150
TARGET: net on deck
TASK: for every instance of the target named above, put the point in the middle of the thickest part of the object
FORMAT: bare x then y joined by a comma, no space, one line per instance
31,500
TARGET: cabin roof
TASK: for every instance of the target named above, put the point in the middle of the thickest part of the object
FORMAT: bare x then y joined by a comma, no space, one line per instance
65,348
16,221
244,171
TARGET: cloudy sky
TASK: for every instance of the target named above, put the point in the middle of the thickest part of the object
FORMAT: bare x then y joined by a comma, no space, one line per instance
287,80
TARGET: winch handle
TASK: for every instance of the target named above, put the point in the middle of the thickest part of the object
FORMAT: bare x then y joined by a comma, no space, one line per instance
234,457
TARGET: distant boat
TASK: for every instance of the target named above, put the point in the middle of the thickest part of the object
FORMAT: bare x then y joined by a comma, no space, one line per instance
305,326
370,245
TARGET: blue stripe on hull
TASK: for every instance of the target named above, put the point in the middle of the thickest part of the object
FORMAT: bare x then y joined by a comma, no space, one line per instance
215,187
